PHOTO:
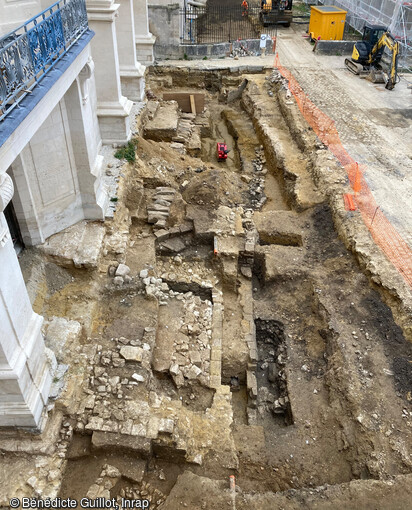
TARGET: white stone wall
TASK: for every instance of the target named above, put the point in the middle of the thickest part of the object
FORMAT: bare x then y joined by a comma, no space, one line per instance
25,375
51,176
144,40
15,13
53,157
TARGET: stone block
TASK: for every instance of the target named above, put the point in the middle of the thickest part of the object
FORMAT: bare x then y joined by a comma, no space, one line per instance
61,332
153,427
252,417
162,235
282,262
174,369
193,372
279,227
215,381
119,442
165,190
166,426
179,380
195,357
130,353
122,270
163,126
174,245
164,348
253,354
216,354
79,245
215,368
251,384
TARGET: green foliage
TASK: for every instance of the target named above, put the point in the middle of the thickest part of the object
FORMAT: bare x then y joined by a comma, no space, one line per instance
185,57
204,58
114,199
300,9
128,152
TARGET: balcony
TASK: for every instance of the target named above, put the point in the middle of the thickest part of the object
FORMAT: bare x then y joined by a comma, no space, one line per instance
30,52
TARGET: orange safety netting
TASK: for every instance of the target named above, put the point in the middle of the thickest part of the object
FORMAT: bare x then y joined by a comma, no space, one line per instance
383,232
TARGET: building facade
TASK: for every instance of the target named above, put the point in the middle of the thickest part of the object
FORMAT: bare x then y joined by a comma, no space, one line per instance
68,77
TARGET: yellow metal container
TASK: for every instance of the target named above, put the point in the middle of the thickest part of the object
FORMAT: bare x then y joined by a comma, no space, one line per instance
327,22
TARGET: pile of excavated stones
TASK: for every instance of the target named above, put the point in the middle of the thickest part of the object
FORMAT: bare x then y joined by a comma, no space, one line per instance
191,357
274,396
110,476
158,209
257,183
120,273
143,492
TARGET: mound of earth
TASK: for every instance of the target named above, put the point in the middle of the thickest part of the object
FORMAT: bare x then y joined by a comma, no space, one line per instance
214,187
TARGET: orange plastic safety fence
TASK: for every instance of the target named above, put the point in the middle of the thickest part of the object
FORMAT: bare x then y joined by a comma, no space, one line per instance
383,232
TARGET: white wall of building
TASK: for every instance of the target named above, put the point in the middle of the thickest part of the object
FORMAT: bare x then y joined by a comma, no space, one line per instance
25,375
53,157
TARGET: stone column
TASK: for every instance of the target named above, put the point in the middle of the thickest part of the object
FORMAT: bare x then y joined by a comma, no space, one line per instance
80,100
144,39
25,368
131,71
113,109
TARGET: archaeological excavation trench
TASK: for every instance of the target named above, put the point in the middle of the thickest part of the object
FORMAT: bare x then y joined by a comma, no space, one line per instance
229,331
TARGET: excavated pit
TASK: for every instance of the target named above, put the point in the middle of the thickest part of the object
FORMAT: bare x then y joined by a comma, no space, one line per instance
273,398
279,358
245,339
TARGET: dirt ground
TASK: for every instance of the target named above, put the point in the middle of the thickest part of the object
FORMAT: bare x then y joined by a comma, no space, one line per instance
226,330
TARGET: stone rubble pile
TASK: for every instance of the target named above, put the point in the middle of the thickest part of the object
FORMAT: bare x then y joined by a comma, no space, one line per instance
156,287
251,236
275,78
108,478
192,351
47,463
160,290
242,51
158,209
257,182
274,397
143,491
120,273
185,127
122,403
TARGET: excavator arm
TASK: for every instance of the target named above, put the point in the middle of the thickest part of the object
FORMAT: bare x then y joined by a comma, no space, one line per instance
376,54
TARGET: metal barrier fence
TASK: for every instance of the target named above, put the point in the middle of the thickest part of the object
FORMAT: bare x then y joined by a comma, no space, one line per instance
383,232
31,51
222,23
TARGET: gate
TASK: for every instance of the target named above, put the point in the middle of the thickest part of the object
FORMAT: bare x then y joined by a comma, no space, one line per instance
219,23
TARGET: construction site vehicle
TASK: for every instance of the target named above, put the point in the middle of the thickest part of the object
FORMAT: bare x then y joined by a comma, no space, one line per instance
367,56
276,12
222,151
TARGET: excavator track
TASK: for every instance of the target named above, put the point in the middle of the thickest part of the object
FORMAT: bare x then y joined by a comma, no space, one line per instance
353,66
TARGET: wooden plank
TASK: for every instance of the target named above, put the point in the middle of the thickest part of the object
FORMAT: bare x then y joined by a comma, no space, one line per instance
183,100
192,104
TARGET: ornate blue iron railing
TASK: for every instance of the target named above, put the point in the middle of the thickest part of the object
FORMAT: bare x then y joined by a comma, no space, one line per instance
28,53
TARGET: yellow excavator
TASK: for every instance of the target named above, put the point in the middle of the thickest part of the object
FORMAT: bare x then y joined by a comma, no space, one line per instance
367,56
